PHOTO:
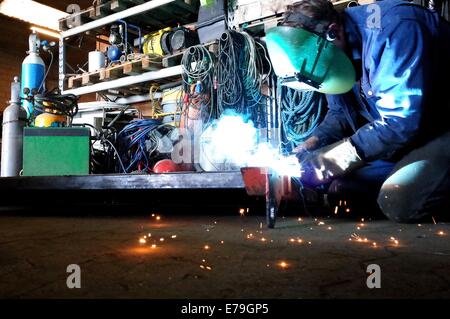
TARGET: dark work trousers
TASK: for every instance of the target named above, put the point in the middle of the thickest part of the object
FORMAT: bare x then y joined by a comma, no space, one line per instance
407,191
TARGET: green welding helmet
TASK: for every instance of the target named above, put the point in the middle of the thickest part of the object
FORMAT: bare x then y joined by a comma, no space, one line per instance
306,61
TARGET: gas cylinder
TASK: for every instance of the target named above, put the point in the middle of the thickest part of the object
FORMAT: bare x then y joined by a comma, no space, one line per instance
14,119
33,72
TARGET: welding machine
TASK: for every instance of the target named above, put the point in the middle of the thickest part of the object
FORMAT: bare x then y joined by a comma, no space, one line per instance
54,151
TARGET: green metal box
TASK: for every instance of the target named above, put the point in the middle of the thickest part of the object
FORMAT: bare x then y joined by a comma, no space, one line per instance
56,151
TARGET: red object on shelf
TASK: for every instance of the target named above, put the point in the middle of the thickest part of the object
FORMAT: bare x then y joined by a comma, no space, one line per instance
165,166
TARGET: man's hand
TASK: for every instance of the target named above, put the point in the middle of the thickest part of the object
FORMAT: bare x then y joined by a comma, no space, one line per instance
307,146
324,164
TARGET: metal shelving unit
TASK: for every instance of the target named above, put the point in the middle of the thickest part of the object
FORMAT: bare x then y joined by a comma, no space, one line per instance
121,82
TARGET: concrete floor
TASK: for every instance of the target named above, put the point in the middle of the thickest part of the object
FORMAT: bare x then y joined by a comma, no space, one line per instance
35,251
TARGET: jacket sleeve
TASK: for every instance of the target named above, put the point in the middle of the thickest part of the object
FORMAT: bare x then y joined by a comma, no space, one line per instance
399,71
334,126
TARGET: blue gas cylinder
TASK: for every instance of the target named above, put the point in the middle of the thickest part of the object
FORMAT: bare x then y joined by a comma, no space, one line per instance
33,72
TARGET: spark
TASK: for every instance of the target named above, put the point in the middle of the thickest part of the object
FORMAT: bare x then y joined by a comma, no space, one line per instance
292,240
283,264
202,267
362,219
142,241
161,239
345,203
347,210
173,236
203,260
158,217
309,243
215,223
329,228
358,228
263,239
145,236
153,215
208,268
149,235
222,242
374,244
441,233
242,211
299,219
396,242
336,210
321,223
340,203
434,221
153,246
206,247
260,225
419,225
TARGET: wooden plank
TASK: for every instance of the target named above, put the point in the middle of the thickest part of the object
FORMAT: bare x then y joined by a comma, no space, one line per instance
151,64
90,78
74,82
132,68
172,60
111,73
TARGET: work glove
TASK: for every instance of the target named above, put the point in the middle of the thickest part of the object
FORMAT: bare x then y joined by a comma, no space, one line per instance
306,147
332,161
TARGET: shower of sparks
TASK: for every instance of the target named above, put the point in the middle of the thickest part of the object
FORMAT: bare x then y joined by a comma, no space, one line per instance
142,241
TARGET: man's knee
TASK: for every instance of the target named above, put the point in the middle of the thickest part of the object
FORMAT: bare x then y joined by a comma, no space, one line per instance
396,206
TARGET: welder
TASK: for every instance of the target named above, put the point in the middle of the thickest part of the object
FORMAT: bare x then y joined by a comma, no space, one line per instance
385,140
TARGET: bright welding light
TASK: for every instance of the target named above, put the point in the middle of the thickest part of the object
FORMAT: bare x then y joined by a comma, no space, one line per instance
233,140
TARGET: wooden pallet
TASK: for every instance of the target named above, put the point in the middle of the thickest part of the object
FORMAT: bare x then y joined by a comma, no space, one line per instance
180,11
135,67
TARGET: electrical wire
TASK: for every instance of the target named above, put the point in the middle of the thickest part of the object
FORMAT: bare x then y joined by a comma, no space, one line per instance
301,112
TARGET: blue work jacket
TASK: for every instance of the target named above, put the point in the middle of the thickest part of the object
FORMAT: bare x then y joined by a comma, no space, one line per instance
401,54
